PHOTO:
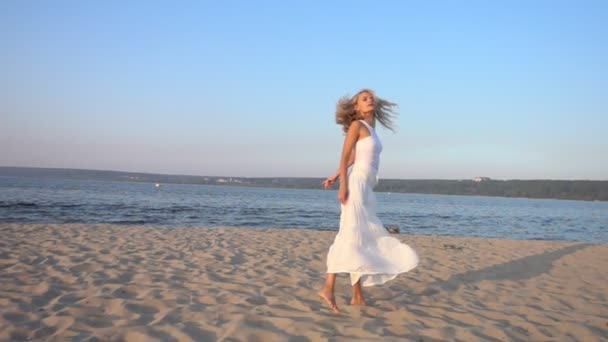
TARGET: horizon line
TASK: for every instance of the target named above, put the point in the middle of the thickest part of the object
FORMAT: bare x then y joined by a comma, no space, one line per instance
252,177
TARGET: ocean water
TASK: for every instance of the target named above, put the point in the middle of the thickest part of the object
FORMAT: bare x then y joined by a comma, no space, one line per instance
29,200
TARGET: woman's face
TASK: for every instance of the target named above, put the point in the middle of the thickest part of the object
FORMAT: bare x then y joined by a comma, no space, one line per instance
365,103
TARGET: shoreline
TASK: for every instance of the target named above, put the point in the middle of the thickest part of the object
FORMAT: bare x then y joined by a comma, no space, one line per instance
145,283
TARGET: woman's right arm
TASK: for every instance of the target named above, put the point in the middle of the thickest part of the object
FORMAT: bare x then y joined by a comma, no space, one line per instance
347,150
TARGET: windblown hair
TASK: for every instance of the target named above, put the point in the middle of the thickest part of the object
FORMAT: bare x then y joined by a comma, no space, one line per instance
346,113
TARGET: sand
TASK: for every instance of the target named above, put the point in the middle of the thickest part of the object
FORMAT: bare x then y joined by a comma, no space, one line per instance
135,283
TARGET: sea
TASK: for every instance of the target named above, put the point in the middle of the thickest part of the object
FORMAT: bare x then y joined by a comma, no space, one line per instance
46,200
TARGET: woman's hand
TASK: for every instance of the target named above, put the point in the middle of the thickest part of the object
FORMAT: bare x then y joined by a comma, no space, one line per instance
343,195
329,182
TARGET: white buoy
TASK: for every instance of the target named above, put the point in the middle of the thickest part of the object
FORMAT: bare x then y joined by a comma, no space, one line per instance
158,185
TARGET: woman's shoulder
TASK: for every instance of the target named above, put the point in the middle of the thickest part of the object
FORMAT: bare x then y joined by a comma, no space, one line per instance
355,124
354,127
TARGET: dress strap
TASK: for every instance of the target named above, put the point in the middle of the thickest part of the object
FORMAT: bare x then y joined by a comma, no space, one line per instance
369,128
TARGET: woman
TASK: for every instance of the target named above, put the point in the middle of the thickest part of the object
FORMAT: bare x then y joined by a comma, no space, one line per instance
362,246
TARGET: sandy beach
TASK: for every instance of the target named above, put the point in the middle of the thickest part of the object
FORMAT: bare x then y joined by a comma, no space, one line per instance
135,283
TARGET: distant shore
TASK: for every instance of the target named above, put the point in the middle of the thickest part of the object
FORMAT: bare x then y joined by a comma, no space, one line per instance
138,283
587,190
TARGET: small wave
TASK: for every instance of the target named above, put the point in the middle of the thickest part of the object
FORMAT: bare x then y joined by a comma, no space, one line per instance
67,206
251,211
18,205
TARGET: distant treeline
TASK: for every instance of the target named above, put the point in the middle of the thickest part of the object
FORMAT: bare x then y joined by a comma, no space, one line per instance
559,189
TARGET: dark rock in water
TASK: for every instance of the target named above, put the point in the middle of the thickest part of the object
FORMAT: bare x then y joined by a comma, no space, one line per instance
393,229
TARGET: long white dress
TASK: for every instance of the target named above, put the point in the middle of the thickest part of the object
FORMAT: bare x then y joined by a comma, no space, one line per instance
363,247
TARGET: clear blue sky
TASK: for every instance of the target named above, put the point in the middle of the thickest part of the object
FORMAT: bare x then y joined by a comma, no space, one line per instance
504,89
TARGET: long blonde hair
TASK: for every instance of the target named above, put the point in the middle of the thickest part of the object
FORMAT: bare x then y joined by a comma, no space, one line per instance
383,111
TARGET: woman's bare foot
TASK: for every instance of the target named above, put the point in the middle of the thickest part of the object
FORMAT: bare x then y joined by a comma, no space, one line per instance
330,299
358,300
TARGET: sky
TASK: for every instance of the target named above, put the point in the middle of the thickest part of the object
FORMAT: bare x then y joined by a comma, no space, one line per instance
501,89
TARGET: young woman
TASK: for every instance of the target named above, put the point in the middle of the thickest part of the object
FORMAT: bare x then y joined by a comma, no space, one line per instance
362,246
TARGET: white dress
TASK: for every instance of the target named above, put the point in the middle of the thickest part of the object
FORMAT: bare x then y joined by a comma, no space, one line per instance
363,247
